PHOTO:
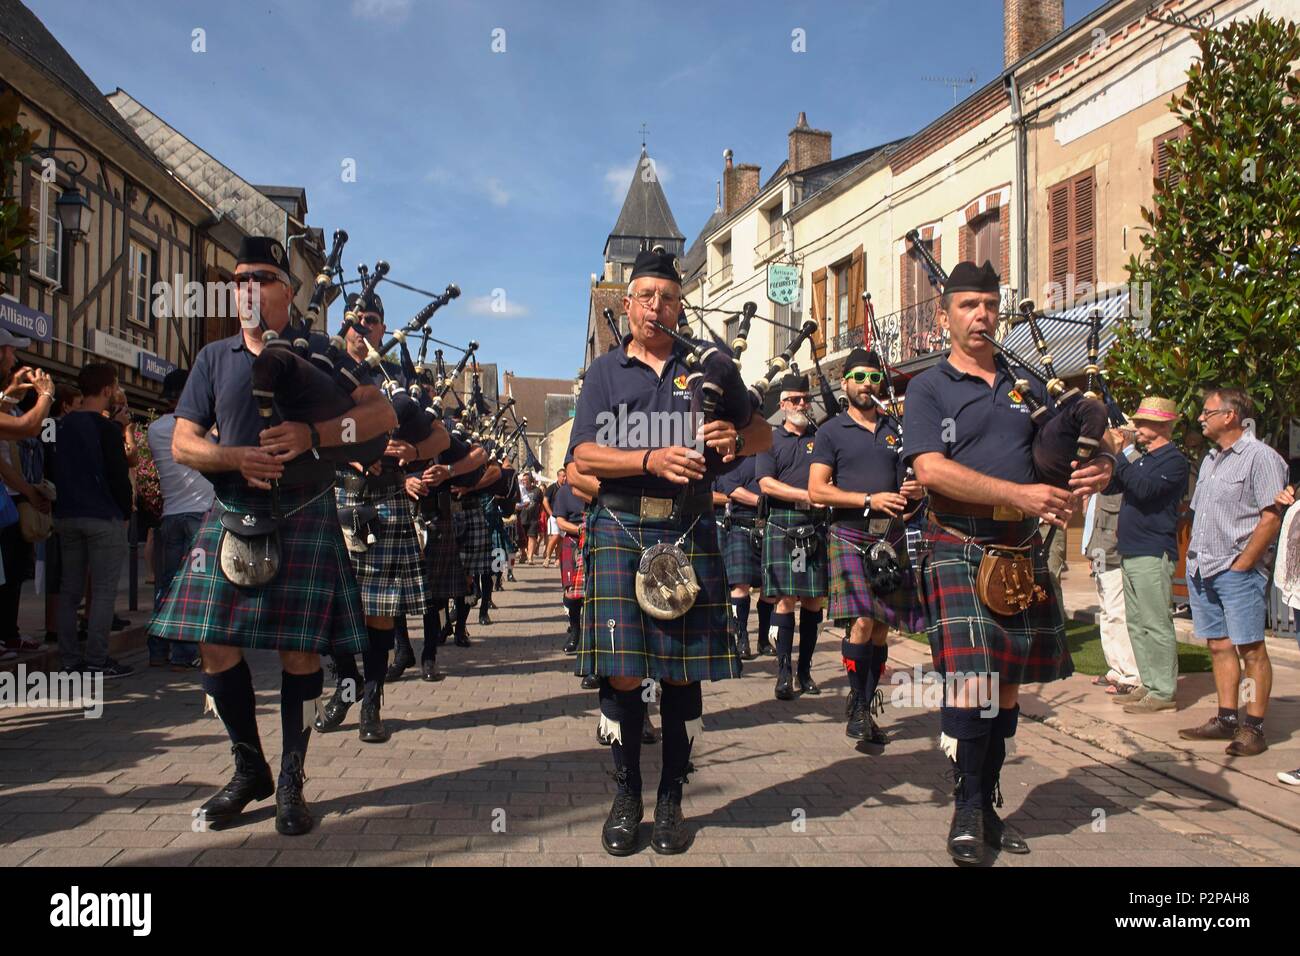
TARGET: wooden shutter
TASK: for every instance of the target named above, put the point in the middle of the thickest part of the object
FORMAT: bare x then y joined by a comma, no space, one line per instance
1058,233
819,311
1161,152
857,282
1084,243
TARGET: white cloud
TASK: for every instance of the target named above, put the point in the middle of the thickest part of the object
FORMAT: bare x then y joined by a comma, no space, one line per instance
618,178
393,11
494,307
494,191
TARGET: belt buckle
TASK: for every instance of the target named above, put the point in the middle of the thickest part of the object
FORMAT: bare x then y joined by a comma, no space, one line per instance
656,509
1007,513
878,525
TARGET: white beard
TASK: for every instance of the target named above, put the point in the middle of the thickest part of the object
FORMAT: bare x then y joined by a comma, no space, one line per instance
797,419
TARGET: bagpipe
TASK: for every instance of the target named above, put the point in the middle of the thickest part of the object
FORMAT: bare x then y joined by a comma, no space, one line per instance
1073,428
447,381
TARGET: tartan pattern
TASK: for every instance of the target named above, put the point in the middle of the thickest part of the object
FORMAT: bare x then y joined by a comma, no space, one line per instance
472,538
571,576
779,577
497,537
965,636
391,571
313,605
851,595
696,646
445,573
740,557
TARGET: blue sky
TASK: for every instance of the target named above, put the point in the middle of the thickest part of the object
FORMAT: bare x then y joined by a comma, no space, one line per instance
506,170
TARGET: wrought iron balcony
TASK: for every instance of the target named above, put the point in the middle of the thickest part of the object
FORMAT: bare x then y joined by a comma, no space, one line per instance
771,246
720,278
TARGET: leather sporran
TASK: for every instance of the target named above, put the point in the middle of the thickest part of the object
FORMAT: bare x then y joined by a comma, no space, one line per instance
666,585
804,536
248,551
1005,581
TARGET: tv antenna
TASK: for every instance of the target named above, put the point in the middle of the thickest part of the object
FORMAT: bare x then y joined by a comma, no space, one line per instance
956,82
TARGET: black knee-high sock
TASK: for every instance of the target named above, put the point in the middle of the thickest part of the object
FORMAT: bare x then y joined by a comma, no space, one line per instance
402,638
432,632
764,617
857,663
969,728
485,588
295,691
809,621
1004,727
345,669
375,658
626,709
232,692
880,657
462,611
680,709
574,607
740,613
781,633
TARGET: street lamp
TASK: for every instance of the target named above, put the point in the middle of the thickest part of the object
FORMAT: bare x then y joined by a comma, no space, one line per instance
72,206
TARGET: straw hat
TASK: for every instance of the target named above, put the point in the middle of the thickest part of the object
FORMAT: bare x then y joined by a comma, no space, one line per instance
1156,410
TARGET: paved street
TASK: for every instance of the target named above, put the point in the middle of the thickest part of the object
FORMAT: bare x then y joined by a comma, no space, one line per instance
498,765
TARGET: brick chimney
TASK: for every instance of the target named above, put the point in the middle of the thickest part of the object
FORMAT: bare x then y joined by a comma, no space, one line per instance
808,146
739,184
1027,25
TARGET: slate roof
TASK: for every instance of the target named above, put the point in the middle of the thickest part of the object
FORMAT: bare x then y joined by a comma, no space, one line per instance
645,216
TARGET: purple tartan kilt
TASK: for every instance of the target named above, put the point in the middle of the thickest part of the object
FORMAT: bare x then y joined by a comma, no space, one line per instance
391,571
965,636
851,595
618,640
443,570
312,605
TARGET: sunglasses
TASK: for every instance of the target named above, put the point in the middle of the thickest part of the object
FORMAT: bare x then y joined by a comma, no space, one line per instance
257,275
797,400
371,320
875,378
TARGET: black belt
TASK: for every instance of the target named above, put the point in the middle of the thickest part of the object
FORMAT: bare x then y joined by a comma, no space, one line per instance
652,508
854,518
467,502
815,512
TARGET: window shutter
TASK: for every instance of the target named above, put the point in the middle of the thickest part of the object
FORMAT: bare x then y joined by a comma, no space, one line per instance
857,282
1084,229
819,311
1058,233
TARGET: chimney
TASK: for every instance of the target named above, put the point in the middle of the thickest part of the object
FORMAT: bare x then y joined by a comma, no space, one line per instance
1027,25
739,184
808,146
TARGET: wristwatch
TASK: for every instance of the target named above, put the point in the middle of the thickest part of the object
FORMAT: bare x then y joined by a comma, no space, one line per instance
740,443
866,507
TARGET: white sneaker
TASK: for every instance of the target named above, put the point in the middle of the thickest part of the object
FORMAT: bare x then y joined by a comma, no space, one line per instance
1290,776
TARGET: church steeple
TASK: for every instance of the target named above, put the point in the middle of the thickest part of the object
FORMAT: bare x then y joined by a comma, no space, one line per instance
644,221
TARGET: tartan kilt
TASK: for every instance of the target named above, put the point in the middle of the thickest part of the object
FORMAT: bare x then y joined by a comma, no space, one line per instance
445,573
391,571
779,577
497,538
571,576
472,538
851,595
312,605
965,636
618,640
741,559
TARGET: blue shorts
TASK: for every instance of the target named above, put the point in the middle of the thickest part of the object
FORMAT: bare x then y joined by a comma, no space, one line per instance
1230,604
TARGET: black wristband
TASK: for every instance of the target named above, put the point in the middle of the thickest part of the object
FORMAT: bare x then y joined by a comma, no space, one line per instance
315,435
645,462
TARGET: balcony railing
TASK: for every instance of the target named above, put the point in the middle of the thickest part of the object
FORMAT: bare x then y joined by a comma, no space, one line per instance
771,246
914,331
720,278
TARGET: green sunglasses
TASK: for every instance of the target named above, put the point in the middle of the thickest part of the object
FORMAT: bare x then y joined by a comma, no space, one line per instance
875,378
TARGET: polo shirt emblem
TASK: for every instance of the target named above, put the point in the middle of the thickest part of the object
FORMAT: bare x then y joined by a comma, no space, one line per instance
891,440
1015,396
679,381
808,446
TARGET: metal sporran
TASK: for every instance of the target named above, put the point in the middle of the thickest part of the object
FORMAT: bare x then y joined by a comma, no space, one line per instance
248,552
666,585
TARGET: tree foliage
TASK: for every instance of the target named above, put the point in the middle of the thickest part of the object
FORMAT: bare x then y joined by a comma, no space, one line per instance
15,219
1220,266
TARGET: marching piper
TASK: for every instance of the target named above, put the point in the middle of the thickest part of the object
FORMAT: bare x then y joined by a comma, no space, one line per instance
264,481
655,603
970,439
742,551
857,471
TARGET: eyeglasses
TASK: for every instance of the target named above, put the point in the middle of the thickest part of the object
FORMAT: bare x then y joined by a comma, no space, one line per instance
797,400
1208,412
371,320
665,298
257,275
875,378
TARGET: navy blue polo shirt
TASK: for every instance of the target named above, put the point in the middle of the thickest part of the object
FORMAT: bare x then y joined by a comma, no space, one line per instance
859,459
1152,486
958,415
619,389
789,457
743,475
568,505
219,390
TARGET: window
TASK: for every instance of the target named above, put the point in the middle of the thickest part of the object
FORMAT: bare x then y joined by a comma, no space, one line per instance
782,332
774,221
721,272
841,273
1161,153
1071,229
47,256
730,327
139,282
986,239
917,285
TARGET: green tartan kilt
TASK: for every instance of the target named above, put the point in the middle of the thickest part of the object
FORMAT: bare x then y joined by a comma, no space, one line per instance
618,640
965,636
312,605
781,578
742,560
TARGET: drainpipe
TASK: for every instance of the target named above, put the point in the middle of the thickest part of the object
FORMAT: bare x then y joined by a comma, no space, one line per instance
1022,185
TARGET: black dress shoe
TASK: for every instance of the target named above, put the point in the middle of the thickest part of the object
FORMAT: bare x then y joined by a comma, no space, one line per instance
875,734
857,717
743,649
461,639
429,671
292,818
1002,835
402,659
619,834
483,618
590,682
571,645
648,735
784,688
804,684
510,575
251,781
764,648
333,713
966,836
670,833
371,727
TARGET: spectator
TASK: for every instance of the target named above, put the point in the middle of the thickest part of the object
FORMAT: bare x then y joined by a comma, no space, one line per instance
528,515
1147,541
1234,528
552,527
1101,547
90,513
186,498
1287,576
67,398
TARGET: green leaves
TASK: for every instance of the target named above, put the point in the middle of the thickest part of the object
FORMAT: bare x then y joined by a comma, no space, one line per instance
16,222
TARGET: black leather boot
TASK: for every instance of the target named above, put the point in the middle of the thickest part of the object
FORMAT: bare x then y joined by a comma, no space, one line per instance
590,682
371,727
403,657
462,636
764,646
784,687
857,717
670,834
333,713
997,832
804,684
571,645
619,835
429,670
742,647
876,706
251,781
966,835
292,818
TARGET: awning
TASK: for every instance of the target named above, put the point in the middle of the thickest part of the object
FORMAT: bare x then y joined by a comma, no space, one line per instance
1067,334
